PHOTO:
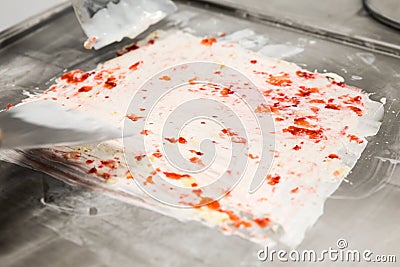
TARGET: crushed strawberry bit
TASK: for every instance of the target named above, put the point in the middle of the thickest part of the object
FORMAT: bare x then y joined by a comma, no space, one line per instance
253,61
182,140
145,132
9,106
165,78
341,84
194,159
176,176
149,180
140,157
129,175
273,180
92,170
355,139
136,65
332,106
194,185
150,42
198,153
109,163
208,41
85,89
333,156
302,121
305,75
353,100
297,131
262,222
89,161
357,110
131,47
229,132
318,101
134,117
157,154
294,190
226,91
171,140
110,83
306,91
279,119
197,192
253,157
314,109
296,147
75,76
282,80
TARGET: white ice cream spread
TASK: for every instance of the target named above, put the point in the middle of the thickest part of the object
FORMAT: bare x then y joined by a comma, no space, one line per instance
320,130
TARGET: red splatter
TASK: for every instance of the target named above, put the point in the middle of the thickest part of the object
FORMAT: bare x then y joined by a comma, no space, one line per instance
150,42
333,156
9,106
89,161
92,170
294,190
253,61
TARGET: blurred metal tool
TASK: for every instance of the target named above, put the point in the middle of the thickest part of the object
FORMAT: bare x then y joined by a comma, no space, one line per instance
108,21
45,123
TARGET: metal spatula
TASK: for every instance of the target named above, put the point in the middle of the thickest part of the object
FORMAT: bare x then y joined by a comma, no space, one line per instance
108,21
45,123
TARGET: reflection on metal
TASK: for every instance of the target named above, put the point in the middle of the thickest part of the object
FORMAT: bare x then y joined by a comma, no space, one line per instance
385,11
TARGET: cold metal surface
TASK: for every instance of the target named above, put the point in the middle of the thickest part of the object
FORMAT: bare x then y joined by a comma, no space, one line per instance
41,124
45,222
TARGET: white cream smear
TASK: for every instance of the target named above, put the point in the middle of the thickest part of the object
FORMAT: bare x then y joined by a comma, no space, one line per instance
320,123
